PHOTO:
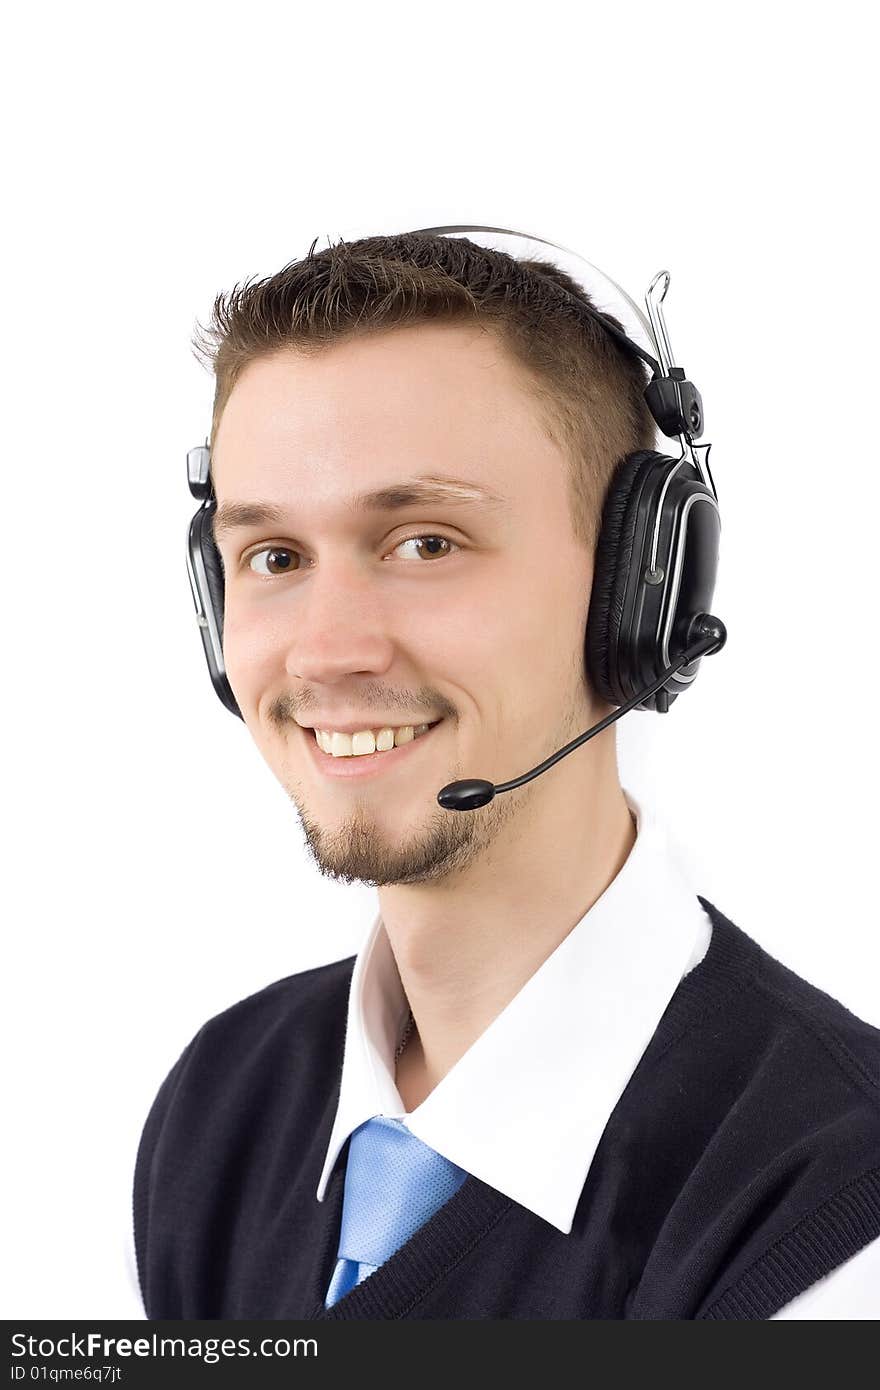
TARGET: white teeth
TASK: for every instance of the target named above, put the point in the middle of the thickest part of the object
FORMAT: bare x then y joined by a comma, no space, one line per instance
366,741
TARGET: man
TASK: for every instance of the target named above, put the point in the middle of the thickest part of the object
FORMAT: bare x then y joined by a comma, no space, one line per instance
614,1103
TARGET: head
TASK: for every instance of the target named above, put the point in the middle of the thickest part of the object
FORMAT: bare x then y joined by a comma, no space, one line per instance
377,370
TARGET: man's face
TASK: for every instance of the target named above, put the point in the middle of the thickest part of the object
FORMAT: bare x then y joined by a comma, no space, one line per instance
335,615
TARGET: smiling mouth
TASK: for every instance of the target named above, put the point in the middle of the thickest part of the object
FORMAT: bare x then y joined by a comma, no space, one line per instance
421,730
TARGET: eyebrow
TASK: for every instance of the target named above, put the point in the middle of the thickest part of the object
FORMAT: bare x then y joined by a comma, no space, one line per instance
424,491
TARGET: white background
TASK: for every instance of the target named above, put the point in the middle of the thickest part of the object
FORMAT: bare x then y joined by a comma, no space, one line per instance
155,869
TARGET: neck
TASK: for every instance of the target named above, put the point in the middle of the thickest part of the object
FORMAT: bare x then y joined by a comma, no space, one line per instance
465,948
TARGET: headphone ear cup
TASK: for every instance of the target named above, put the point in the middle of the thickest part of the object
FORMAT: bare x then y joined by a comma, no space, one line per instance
613,557
213,568
209,582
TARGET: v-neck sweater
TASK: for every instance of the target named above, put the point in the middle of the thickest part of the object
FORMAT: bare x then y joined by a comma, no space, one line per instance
740,1164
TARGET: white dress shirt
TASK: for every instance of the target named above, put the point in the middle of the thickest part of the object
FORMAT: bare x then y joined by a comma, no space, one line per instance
502,1112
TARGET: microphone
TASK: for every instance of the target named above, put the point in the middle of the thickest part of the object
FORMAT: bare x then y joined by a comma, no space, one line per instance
473,792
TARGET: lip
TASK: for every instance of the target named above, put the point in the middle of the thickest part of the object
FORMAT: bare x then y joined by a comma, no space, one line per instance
364,764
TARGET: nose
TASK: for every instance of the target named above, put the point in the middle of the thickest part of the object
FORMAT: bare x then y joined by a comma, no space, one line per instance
339,626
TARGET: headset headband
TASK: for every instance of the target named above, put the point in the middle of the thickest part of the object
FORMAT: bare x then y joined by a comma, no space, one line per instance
673,401
606,295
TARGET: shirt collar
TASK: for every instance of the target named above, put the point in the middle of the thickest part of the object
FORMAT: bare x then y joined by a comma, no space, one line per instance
524,1109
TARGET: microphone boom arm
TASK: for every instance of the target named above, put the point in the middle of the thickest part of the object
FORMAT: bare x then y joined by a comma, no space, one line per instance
468,795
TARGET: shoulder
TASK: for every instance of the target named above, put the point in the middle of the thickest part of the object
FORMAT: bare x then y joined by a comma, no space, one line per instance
283,1043
797,1009
285,1022
273,1055
292,1007
797,1129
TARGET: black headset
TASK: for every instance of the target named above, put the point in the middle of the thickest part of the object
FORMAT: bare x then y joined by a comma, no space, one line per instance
656,560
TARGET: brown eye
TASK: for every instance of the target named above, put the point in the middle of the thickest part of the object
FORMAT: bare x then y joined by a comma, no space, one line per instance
275,555
433,544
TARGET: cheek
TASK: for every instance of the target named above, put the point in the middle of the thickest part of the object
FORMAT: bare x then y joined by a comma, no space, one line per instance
547,622
251,655
489,652
462,636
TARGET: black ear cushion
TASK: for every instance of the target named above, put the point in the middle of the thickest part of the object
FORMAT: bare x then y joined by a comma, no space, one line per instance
213,567
611,564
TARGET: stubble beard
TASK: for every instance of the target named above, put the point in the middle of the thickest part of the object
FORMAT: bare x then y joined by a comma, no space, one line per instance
359,849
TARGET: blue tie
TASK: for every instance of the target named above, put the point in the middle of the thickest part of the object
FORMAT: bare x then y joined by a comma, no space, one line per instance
393,1183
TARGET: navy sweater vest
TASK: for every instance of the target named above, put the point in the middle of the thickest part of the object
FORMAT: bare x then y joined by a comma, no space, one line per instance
741,1164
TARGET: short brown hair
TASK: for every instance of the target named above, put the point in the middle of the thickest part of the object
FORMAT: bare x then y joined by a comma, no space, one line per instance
591,390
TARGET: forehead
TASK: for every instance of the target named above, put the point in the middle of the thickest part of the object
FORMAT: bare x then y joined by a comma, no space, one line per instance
441,400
